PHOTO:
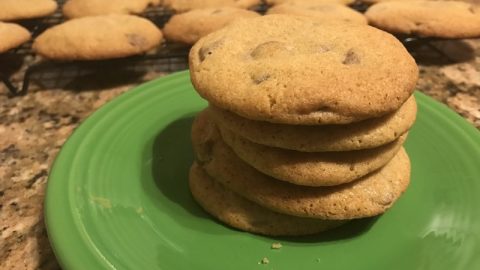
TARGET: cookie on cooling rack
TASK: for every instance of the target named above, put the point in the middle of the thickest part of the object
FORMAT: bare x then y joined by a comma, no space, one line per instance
279,2
190,26
441,19
13,10
155,2
98,37
186,5
321,12
82,8
12,35
370,2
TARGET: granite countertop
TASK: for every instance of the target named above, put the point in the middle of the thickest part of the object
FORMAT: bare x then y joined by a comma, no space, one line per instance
34,127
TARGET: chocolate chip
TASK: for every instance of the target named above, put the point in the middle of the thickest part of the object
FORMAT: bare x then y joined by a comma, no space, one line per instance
272,100
205,155
136,40
473,9
259,78
269,49
207,50
418,24
351,58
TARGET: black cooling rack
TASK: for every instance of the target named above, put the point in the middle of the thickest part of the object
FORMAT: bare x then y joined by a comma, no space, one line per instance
169,57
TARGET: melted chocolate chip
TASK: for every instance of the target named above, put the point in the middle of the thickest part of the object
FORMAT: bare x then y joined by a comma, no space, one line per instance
269,49
351,58
207,50
136,40
259,78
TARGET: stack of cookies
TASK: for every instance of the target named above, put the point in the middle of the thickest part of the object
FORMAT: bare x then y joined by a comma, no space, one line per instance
305,126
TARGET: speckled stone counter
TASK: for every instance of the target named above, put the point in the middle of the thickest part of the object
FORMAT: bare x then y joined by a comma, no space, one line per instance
34,127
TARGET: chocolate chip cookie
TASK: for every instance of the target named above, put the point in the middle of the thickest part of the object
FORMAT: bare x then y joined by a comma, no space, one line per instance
329,74
98,37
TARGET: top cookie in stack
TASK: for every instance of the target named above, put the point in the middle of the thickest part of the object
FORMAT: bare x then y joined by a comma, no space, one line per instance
306,120
299,72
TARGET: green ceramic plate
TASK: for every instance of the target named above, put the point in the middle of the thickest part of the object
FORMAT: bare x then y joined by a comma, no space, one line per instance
117,198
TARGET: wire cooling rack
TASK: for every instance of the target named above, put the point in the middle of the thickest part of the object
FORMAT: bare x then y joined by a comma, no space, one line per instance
169,57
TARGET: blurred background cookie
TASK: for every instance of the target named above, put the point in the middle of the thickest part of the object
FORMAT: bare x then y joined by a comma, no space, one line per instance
190,26
186,5
443,19
12,10
278,2
321,12
98,37
156,2
82,8
12,35
370,2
